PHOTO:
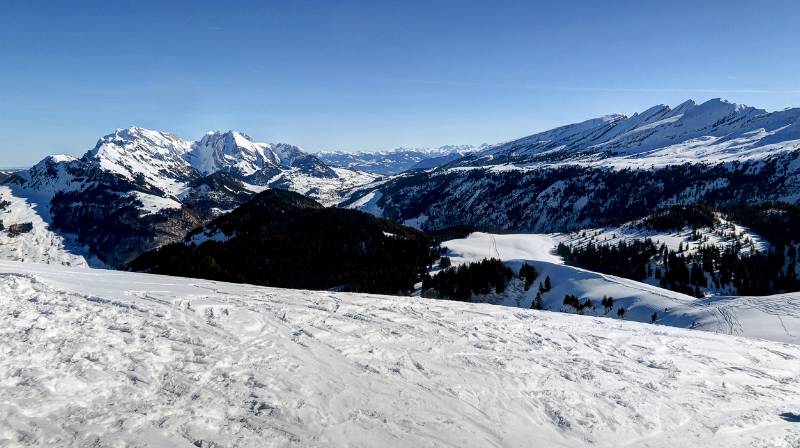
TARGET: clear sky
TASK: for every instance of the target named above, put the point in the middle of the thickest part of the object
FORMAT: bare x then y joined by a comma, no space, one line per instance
361,75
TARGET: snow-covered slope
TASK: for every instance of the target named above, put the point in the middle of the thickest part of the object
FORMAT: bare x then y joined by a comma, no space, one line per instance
96,358
39,244
771,317
397,160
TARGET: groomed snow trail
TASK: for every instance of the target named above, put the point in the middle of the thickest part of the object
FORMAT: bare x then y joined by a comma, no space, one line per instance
105,358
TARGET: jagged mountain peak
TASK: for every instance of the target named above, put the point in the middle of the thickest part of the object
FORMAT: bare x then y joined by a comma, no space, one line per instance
230,151
125,137
659,126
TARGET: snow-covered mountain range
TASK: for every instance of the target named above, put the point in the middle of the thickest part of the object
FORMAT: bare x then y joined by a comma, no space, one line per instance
138,188
398,160
604,170
164,164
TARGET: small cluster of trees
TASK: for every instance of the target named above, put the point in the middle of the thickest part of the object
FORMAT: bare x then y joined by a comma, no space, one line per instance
579,306
680,216
574,302
608,304
538,301
462,282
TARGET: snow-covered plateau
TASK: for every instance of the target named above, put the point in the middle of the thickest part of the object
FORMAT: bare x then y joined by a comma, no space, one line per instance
107,358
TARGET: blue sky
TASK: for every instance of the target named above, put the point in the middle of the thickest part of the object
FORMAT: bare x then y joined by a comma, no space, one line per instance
361,75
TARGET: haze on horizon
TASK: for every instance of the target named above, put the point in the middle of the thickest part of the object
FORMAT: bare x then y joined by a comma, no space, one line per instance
355,75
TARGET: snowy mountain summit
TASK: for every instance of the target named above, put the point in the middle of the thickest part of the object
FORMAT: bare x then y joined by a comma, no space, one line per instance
716,130
159,156
239,153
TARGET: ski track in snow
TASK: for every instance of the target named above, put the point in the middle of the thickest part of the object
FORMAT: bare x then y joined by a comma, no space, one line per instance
106,358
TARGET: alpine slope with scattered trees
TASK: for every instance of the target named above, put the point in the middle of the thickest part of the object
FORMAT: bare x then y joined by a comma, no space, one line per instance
713,255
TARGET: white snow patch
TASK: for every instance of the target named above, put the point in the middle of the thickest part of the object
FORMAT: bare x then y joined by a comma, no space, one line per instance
154,204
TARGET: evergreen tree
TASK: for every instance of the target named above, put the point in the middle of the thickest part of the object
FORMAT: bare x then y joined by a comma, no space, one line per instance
528,273
548,285
538,302
608,304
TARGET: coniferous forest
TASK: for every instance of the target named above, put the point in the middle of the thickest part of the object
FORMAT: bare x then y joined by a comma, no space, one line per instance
730,268
284,239
462,282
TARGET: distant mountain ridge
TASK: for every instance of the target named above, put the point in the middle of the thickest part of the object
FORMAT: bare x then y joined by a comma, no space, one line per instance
713,131
397,160
604,170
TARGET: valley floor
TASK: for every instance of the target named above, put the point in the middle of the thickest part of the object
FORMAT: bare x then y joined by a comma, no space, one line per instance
105,358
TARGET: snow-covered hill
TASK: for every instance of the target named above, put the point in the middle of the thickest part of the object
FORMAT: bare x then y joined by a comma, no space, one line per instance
770,317
387,163
103,358
609,169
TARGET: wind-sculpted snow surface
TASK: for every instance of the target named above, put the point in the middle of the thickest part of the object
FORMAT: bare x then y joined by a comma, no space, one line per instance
97,358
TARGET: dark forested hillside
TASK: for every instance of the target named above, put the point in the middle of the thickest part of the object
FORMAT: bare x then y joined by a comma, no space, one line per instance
284,239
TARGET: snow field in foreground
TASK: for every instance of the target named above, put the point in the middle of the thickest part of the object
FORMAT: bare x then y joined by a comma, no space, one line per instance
106,358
